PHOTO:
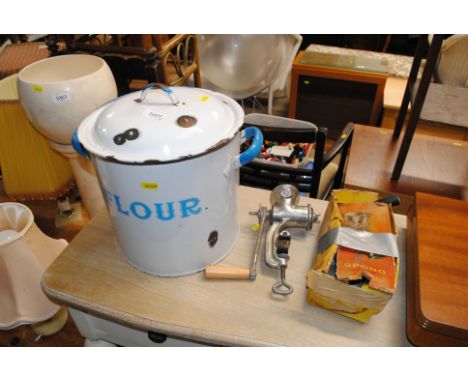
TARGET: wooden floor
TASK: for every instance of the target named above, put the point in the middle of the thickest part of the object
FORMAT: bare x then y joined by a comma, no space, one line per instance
24,336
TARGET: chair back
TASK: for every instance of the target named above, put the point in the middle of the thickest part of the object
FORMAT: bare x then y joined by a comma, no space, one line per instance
306,175
265,174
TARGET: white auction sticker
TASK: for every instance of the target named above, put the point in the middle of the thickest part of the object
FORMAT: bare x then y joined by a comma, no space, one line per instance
61,97
155,115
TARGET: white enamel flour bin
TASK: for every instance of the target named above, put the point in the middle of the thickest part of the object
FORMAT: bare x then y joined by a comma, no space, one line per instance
167,160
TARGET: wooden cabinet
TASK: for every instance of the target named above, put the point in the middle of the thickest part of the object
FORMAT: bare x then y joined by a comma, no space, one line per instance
331,90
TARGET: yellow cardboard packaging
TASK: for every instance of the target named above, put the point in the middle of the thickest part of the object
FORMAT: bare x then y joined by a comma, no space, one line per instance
357,301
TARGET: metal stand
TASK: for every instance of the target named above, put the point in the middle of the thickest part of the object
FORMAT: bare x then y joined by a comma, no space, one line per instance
255,102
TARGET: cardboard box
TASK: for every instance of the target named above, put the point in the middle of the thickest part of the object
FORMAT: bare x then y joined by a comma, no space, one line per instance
355,270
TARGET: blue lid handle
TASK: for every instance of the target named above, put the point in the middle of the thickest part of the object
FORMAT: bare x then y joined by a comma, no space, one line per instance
254,133
164,88
78,146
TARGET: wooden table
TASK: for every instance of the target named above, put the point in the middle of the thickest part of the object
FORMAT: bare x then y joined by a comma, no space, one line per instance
437,302
92,276
393,93
434,165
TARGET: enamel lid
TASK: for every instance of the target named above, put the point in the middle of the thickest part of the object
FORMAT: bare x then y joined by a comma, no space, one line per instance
161,124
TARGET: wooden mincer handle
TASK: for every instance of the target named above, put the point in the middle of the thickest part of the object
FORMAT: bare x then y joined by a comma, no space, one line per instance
221,272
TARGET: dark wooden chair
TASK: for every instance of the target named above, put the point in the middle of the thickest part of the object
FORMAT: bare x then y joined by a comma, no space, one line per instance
328,168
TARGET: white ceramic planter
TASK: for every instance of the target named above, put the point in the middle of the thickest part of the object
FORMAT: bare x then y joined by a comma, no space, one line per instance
57,94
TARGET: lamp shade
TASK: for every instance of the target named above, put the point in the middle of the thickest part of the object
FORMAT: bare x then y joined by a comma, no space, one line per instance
25,253
31,168
239,65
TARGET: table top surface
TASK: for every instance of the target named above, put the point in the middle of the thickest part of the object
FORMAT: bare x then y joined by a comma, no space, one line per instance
442,267
92,275
434,165
394,92
350,62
